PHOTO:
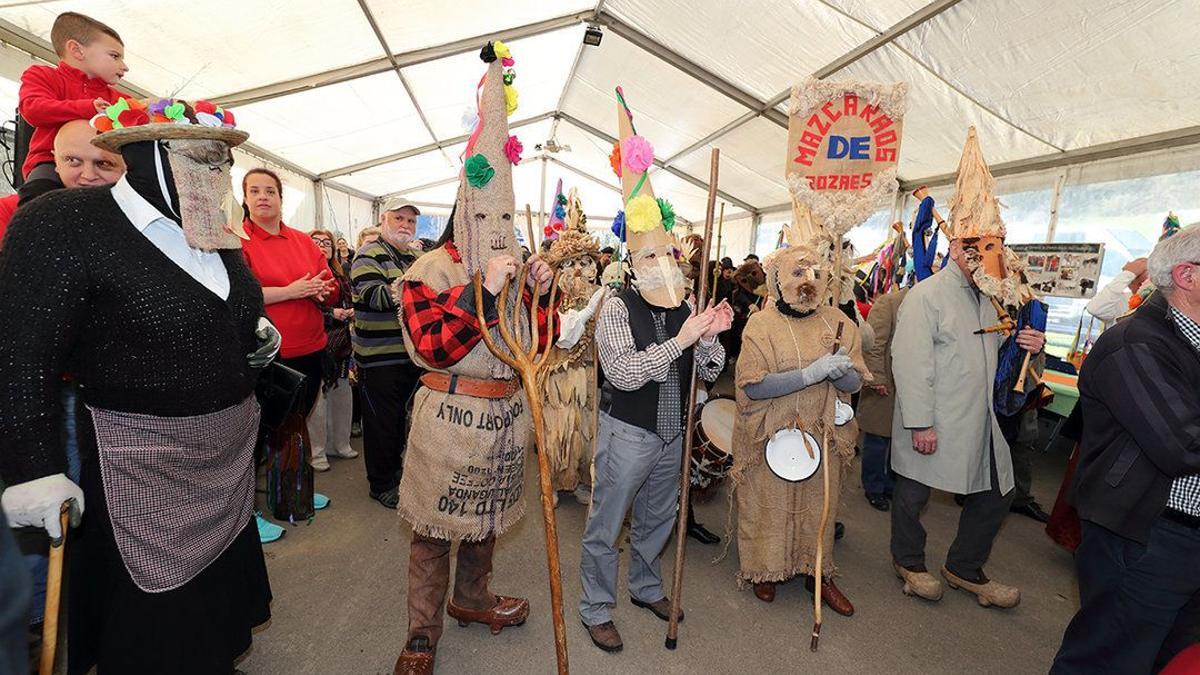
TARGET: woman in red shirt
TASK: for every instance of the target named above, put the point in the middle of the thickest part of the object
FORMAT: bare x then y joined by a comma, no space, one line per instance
296,284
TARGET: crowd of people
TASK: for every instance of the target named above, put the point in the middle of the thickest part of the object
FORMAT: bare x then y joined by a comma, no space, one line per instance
174,353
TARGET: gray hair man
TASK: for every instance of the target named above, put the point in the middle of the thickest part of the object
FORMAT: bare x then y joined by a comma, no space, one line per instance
1137,488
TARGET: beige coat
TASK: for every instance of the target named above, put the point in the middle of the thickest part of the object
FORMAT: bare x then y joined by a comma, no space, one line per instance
875,411
944,375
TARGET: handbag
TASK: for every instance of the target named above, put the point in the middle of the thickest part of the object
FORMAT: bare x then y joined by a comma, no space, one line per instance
278,392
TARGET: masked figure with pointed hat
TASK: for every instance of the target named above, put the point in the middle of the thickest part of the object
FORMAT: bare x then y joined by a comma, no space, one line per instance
945,433
648,339
151,309
800,362
572,389
463,475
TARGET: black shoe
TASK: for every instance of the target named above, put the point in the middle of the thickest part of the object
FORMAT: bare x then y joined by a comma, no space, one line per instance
839,531
960,499
878,501
699,533
389,498
1032,510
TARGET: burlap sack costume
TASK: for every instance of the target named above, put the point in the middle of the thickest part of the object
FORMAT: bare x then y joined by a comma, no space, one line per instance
778,519
572,388
465,460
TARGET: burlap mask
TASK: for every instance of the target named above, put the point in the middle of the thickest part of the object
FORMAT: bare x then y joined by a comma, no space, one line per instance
800,276
208,211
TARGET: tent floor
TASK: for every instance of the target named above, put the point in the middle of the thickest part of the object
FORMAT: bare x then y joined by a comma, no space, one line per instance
339,587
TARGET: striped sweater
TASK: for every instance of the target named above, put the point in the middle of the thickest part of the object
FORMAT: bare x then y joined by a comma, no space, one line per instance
378,339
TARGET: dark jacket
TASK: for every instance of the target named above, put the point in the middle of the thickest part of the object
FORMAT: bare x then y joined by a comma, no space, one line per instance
1141,421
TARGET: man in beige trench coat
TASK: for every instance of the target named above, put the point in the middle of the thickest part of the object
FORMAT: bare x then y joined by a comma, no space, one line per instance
944,432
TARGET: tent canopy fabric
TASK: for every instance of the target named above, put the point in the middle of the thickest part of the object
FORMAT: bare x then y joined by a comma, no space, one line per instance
375,96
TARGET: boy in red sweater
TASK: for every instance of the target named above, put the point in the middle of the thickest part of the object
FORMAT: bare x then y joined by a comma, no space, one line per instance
93,57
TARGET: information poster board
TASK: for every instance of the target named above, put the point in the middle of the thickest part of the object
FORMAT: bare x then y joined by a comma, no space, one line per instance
1062,270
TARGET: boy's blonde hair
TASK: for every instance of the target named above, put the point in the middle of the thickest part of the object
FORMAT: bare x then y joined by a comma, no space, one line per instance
80,28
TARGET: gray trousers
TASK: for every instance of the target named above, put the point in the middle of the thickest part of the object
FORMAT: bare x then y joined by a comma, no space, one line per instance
633,467
982,515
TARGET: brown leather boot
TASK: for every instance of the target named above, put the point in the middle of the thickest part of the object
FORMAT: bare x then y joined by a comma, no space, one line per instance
830,595
765,591
417,657
506,612
605,636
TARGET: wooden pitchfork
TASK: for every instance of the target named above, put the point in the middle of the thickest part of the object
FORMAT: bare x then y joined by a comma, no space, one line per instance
532,365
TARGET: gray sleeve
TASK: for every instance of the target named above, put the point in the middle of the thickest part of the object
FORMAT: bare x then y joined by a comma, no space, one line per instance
775,385
849,383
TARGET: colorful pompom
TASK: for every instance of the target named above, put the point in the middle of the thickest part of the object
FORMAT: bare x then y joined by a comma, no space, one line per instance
637,153
102,123
205,107
114,111
501,50
618,226
478,171
208,120
133,118
227,118
614,159
175,111
488,53
668,214
510,99
513,150
642,214
159,107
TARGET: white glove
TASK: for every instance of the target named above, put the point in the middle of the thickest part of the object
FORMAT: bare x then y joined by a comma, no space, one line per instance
828,367
37,503
573,322
269,340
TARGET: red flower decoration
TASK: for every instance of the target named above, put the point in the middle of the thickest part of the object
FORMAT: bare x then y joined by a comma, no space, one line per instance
204,107
133,118
227,118
513,150
548,231
614,159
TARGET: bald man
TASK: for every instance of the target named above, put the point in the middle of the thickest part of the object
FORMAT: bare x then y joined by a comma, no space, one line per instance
77,162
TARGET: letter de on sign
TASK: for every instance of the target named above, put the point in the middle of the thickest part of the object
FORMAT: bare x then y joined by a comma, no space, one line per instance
860,147
838,147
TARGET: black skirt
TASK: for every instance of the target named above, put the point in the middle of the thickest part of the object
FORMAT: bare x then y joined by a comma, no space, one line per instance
198,628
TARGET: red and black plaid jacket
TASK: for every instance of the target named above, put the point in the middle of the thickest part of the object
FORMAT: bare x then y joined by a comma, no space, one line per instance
443,326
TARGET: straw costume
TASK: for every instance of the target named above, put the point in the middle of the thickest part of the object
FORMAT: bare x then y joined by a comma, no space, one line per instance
167,571
464,466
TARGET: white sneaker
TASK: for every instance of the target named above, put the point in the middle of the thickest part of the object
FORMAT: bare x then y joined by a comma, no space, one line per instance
320,463
345,453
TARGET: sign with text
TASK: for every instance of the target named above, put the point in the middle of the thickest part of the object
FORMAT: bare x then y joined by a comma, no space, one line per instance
843,147
1062,270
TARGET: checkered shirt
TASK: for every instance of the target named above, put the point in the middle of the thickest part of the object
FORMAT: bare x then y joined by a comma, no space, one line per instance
1185,490
629,369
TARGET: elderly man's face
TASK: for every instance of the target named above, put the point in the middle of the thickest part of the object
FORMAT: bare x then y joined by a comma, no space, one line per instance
81,164
399,226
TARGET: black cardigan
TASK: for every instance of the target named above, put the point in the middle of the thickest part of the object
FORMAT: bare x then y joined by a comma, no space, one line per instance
1141,421
84,293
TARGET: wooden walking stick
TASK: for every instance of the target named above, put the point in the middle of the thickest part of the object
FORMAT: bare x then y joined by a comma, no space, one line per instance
717,265
818,579
532,365
53,595
685,482
529,229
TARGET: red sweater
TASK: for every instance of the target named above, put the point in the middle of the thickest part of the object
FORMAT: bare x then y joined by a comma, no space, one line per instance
51,97
278,260
8,206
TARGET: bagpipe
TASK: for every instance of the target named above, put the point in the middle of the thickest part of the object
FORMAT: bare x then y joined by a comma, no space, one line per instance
1008,391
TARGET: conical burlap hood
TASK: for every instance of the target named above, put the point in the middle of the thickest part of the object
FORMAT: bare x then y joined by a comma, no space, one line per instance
974,209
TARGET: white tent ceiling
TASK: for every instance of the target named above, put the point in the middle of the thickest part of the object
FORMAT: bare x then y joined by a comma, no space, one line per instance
370,95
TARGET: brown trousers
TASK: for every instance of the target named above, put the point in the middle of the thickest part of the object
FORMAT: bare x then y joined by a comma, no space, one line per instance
429,579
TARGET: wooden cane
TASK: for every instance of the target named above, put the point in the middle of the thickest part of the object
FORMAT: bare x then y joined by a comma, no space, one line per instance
685,482
533,248
717,267
53,595
532,364
819,578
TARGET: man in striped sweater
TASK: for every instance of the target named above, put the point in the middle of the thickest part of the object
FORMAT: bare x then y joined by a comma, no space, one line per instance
387,377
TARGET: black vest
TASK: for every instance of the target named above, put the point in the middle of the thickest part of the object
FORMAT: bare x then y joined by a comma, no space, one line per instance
640,407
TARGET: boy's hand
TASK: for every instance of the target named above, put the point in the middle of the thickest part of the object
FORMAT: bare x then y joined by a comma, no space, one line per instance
101,105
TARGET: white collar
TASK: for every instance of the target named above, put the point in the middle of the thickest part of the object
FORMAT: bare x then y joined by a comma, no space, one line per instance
139,211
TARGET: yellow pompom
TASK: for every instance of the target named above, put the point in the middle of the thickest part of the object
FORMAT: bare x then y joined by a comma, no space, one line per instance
510,98
502,51
642,214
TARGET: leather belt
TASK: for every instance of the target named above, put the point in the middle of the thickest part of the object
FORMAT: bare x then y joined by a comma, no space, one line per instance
469,386
1185,519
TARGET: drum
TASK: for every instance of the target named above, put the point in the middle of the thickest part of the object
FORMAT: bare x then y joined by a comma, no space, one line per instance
712,457
793,455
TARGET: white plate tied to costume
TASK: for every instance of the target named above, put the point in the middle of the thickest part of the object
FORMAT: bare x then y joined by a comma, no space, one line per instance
793,454
179,489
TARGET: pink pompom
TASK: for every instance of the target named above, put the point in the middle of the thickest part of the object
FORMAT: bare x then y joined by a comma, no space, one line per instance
513,150
637,153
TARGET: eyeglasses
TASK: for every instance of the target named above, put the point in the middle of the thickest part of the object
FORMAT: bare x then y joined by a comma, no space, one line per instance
324,243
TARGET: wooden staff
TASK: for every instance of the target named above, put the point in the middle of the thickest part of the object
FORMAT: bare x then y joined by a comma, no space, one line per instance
819,578
685,482
53,595
717,265
532,365
533,247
